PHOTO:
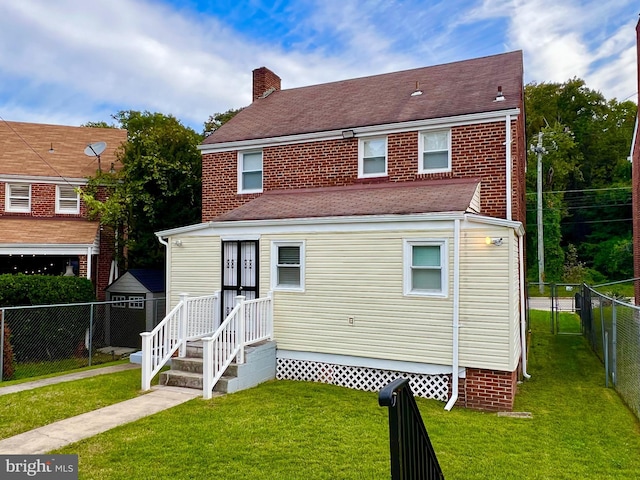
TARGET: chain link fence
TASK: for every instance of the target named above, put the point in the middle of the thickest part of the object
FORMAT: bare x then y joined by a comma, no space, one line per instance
612,328
41,340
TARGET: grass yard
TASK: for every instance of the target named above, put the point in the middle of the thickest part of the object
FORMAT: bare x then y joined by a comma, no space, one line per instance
29,409
295,430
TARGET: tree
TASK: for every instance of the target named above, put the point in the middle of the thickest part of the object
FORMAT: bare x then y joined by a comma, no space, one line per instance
158,186
216,120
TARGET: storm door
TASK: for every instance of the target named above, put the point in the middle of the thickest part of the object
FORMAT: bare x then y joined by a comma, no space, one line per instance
239,272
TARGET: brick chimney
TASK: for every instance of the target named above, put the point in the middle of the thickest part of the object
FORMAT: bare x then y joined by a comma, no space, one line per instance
263,81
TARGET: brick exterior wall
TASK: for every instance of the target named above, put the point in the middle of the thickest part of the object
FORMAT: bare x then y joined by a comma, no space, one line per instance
488,390
43,205
477,151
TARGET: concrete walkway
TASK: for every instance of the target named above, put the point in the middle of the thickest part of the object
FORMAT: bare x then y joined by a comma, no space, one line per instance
70,430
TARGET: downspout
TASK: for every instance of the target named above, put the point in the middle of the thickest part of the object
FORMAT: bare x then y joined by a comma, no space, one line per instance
523,313
456,315
89,254
509,166
167,293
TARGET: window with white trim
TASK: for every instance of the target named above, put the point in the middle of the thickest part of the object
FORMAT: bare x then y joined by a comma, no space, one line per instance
18,197
136,302
250,172
67,199
435,151
372,157
425,267
120,299
287,266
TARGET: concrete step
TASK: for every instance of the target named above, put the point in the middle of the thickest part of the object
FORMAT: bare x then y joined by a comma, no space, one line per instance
177,378
187,364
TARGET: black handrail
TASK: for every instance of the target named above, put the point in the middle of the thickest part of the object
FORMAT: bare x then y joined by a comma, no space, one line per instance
412,455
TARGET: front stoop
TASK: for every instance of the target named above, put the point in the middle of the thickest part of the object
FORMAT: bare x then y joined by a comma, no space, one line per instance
259,366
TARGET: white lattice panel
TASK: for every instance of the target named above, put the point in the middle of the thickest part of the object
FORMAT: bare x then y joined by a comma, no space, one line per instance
361,378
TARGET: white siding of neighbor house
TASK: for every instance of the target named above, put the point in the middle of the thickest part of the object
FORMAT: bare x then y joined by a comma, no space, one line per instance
194,267
489,315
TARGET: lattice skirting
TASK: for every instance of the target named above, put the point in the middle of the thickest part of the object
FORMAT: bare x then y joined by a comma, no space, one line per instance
361,378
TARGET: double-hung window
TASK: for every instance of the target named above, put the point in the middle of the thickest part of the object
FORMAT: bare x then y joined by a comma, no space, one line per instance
250,172
425,267
67,199
435,151
18,197
372,158
287,266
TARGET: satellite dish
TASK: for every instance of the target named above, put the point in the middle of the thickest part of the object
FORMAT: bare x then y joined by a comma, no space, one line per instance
95,149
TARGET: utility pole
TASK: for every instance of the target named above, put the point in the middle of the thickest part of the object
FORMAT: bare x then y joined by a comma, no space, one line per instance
539,150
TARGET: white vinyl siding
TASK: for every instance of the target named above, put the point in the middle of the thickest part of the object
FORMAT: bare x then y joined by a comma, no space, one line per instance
195,267
67,199
359,276
488,317
372,157
18,197
250,172
435,151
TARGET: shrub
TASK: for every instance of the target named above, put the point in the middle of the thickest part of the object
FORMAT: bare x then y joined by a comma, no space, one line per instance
7,356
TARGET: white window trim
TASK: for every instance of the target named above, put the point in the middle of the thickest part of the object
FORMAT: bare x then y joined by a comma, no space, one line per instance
361,141
421,151
241,155
120,299
7,199
408,245
136,302
274,265
59,209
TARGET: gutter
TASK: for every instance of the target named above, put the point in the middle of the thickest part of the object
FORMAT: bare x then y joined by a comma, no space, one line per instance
508,161
456,316
523,313
167,275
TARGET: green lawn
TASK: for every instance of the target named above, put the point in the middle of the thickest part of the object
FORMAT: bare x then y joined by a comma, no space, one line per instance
296,430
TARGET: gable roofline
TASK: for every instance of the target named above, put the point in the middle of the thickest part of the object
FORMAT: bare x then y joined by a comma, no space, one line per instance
444,122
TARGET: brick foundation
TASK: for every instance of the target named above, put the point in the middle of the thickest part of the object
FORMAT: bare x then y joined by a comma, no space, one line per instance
488,390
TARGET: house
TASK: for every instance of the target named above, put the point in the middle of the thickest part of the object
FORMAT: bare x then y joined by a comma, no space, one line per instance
385,216
139,304
635,192
43,222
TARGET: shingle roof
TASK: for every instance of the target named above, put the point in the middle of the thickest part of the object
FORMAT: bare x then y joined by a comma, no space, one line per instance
45,231
451,195
152,280
18,140
451,89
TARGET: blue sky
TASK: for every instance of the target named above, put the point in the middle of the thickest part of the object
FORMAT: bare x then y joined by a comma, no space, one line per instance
73,61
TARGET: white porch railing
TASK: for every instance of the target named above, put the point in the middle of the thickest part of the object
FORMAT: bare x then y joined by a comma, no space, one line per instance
249,322
190,319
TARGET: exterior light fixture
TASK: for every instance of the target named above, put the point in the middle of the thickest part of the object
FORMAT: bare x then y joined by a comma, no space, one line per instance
177,243
493,241
348,134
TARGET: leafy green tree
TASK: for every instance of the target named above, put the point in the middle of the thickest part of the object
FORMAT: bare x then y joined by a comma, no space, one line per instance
216,120
158,187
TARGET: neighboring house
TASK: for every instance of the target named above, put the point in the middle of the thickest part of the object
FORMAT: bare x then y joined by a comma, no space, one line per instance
635,156
386,215
140,295
43,224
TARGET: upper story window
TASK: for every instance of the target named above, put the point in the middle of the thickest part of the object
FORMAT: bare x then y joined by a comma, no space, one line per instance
67,199
435,151
425,271
250,172
18,197
372,158
287,266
